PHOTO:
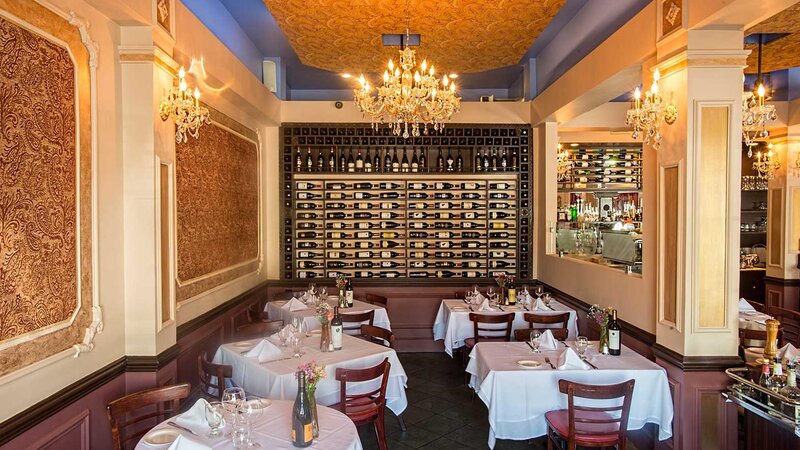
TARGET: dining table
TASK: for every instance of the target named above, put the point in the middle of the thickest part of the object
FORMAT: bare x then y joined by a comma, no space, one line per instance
518,396
452,324
275,309
276,379
272,431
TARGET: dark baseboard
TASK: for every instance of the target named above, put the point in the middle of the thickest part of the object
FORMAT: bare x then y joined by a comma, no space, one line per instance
696,363
781,281
151,363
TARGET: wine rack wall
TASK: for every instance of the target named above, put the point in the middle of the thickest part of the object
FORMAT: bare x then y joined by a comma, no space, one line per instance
598,167
422,226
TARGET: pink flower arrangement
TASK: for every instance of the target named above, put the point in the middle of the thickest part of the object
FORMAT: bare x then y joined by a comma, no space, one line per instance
600,315
324,312
341,281
501,279
312,373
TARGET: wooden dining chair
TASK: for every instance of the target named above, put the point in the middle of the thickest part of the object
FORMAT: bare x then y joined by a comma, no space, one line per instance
760,307
258,329
534,319
134,415
590,426
790,323
378,335
486,327
256,313
377,300
746,336
524,334
211,389
365,408
352,322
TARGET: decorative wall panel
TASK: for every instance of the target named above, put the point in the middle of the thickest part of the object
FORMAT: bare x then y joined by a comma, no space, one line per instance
217,196
45,191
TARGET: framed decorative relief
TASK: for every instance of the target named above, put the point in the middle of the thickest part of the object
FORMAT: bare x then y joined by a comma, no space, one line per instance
48,305
163,13
671,16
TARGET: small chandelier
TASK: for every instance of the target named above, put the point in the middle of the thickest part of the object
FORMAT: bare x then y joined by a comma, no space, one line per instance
563,163
184,108
766,164
647,116
408,98
755,113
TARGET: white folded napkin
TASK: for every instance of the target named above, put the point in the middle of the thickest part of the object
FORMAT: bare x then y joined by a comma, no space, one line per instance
547,341
745,306
478,299
195,417
788,352
538,305
569,360
185,443
265,351
485,306
294,305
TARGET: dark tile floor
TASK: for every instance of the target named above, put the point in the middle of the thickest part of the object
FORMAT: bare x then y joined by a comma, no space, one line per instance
441,413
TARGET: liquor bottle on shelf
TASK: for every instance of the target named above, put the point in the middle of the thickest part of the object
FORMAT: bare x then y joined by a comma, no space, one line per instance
376,162
487,165
307,244
336,329
494,160
306,274
367,163
342,161
390,274
306,225
302,419
387,162
477,165
404,165
320,161
423,160
414,162
395,161
504,161
514,160
449,167
351,163
614,335
298,162
440,161
499,264
332,161
459,162
348,293
511,299
308,254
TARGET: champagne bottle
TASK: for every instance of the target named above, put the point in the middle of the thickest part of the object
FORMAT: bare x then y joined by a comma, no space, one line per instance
395,162
440,161
477,165
423,161
459,162
302,427
504,161
415,162
376,162
614,335
387,162
342,162
351,164
348,293
404,166
336,329
332,161
309,160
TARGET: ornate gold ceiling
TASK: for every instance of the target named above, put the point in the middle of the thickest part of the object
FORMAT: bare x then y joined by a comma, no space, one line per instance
782,53
457,35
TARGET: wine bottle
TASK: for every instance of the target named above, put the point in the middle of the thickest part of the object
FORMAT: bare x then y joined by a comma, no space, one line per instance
414,162
309,160
336,195
499,205
418,225
499,186
500,264
499,215
471,264
404,165
336,329
336,235
390,195
418,244
376,162
470,196
389,215
308,254
501,244
443,195
444,244
420,254
395,161
387,162
389,264
320,161
389,244
471,225
469,215
494,160
307,206
419,264
332,161
363,225
389,205
418,195
336,206
302,420
389,186
390,274
305,185
423,161
504,161
470,186
459,162
348,293
362,195
337,186
500,235
445,234
336,225
514,160
614,335
359,205
336,264
298,161
338,244
444,255
363,235
418,274
440,161
351,164
471,255
391,225
469,205
500,195
365,274
307,244
337,255
500,225
363,245
417,234
308,264
418,215
364,255
512,292
306,274
445,273
470,235
362,215
471,274
417,186
501,255
449,162
444,215
443,225
477,165
367,163
389,254
486,162
307,195
362,186
446,264
470,244
342,162
443,186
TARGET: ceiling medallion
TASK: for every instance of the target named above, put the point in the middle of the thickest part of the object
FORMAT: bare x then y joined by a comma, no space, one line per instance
408,97
766,164
646,117
755,112
183,106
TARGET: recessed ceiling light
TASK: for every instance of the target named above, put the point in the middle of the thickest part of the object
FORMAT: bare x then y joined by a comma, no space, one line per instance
345,75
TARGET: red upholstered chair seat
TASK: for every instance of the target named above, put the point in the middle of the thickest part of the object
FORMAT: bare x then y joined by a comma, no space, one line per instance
606,432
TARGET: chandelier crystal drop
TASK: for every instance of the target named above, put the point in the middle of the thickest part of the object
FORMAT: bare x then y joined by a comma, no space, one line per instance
766,164
409,98
563,163
646,116
183,106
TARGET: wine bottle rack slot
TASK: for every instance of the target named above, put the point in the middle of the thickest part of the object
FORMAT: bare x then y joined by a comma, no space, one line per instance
613,167
428,223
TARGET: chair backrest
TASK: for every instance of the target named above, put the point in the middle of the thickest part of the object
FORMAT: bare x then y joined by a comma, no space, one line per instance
790,323
352,322
491,332
134,415
747,335
590,420
367,405
524,334
546,319
758,306
461,295
258,329
378,335
206,370
377,300
256,313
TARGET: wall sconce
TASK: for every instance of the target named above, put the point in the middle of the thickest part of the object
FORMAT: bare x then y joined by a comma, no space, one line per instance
183,106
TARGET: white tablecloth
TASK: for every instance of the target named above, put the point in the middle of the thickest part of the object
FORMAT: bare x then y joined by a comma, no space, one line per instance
518,398
273,431
275,380
455,326
275,311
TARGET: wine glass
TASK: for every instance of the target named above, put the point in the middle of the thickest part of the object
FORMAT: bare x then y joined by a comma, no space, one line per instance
232,397
539,290
297,323
215,417
490,292
535,340
547,298
304,330
581,344
311,287
252,408
323,294
297,345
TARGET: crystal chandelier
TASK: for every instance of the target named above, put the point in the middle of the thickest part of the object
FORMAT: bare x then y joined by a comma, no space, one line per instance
755,113
563,163
408,97
184,108
766,164
647,116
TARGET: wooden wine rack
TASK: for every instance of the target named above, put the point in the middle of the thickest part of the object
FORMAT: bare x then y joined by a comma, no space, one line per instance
598,167
413,226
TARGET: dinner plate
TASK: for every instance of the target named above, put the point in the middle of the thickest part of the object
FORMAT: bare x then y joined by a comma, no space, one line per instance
528,363
162,437
460,308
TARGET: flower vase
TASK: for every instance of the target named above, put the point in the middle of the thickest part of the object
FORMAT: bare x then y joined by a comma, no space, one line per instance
342,299
325,343
501,300
312,399
602,345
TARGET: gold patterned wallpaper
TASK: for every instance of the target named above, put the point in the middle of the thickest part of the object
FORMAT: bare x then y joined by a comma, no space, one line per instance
217,198
782,53
45,189
457,35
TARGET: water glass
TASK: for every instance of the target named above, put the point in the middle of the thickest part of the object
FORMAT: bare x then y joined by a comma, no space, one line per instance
536,339
215,417
581,344
547,299
539,290
252,408
232,398
297,323
304,330
240,437
297,345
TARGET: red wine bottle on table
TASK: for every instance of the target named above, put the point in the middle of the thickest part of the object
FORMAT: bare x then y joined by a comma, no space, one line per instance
348,293
336,329
302,428
614,335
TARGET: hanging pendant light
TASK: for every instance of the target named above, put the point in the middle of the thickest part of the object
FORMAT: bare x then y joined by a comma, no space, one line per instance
755,112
